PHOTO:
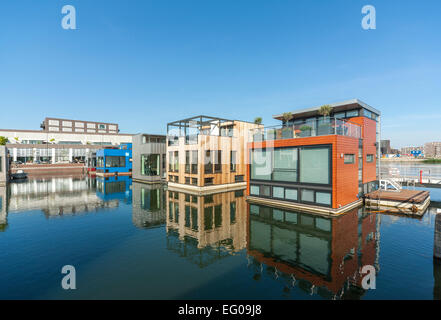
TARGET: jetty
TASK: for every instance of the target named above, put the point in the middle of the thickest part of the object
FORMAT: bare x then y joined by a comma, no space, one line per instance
403,201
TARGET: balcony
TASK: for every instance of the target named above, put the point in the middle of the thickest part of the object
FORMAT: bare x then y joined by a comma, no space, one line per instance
190,129
315,128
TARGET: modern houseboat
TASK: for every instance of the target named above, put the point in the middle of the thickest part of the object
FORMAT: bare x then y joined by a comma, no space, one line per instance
207,154
322,159
149,158
112,162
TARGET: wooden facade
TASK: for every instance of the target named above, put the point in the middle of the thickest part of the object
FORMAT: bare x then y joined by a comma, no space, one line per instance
211,161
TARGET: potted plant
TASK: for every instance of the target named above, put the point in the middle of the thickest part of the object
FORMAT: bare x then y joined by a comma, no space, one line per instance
258,120
16,139
305,131
324,127
3,141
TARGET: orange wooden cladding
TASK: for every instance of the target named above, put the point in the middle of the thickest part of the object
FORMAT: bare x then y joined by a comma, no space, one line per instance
368,133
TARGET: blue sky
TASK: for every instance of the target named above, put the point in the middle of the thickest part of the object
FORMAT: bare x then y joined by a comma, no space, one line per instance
145,63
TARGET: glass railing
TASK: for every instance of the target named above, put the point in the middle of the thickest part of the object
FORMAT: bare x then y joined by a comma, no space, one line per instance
173,140
321,127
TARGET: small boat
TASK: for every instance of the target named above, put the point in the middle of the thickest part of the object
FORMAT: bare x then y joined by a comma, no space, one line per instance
19,175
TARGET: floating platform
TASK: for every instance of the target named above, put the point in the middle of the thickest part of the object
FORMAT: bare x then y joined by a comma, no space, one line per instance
409,202
110,174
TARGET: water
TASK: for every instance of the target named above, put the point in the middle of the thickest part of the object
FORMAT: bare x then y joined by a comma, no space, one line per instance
135,241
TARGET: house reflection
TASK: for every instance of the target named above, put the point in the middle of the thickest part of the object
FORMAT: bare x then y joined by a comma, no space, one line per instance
206,228
319,254
114,188
148,207
53,196
3,208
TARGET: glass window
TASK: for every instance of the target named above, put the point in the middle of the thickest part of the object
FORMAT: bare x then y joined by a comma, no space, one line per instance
194,162
367,114
323,197
291,194
100,162
115,162
1,168
233,161
340,115
150,165
218,161
254,190
261,164
370,158
278,192
285,164
291,217
307,195
314,165
208,162
352,113
349,158
278,215
265,191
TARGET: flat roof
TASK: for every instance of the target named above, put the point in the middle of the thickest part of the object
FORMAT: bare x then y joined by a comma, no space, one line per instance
339,106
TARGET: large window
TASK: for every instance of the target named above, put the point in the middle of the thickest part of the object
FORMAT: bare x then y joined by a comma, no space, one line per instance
285,164
115,162
191,162
150,164
100,162
261,164
370,158
208,162
315,165
233,161
218,161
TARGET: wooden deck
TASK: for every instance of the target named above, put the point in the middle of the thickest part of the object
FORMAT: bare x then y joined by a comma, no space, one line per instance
410,202
408,196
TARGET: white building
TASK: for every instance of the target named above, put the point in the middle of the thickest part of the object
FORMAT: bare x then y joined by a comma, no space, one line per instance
62,140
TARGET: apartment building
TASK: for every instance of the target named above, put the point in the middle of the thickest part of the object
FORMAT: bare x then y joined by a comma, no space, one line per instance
432,150
207,153
62,140
323,163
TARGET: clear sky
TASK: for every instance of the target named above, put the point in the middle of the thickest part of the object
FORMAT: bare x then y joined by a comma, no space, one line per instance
145,63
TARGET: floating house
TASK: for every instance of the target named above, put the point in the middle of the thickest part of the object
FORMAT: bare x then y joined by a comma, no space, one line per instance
149,158
114,161
4,165
322,159
206,154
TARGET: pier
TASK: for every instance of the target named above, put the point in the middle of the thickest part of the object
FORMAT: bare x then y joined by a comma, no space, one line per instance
410,202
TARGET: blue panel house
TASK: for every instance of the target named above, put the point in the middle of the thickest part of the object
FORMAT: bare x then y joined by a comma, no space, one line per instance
110,162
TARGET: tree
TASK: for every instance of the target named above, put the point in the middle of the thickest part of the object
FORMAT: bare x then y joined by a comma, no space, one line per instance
286,117
3,141
325,110
258,120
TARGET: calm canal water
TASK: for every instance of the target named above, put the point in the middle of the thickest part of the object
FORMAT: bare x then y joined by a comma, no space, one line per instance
129,240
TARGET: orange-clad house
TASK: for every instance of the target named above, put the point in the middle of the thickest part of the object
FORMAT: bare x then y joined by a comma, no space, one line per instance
323,163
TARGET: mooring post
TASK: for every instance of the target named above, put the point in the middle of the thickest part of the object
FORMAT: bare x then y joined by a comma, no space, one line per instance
437,240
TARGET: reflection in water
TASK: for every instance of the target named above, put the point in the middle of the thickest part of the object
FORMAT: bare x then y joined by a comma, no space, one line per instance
116,187
320,255
216,242
55,196
204,229
148,208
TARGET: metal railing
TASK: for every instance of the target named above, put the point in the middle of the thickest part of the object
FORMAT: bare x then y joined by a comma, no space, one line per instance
320,127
